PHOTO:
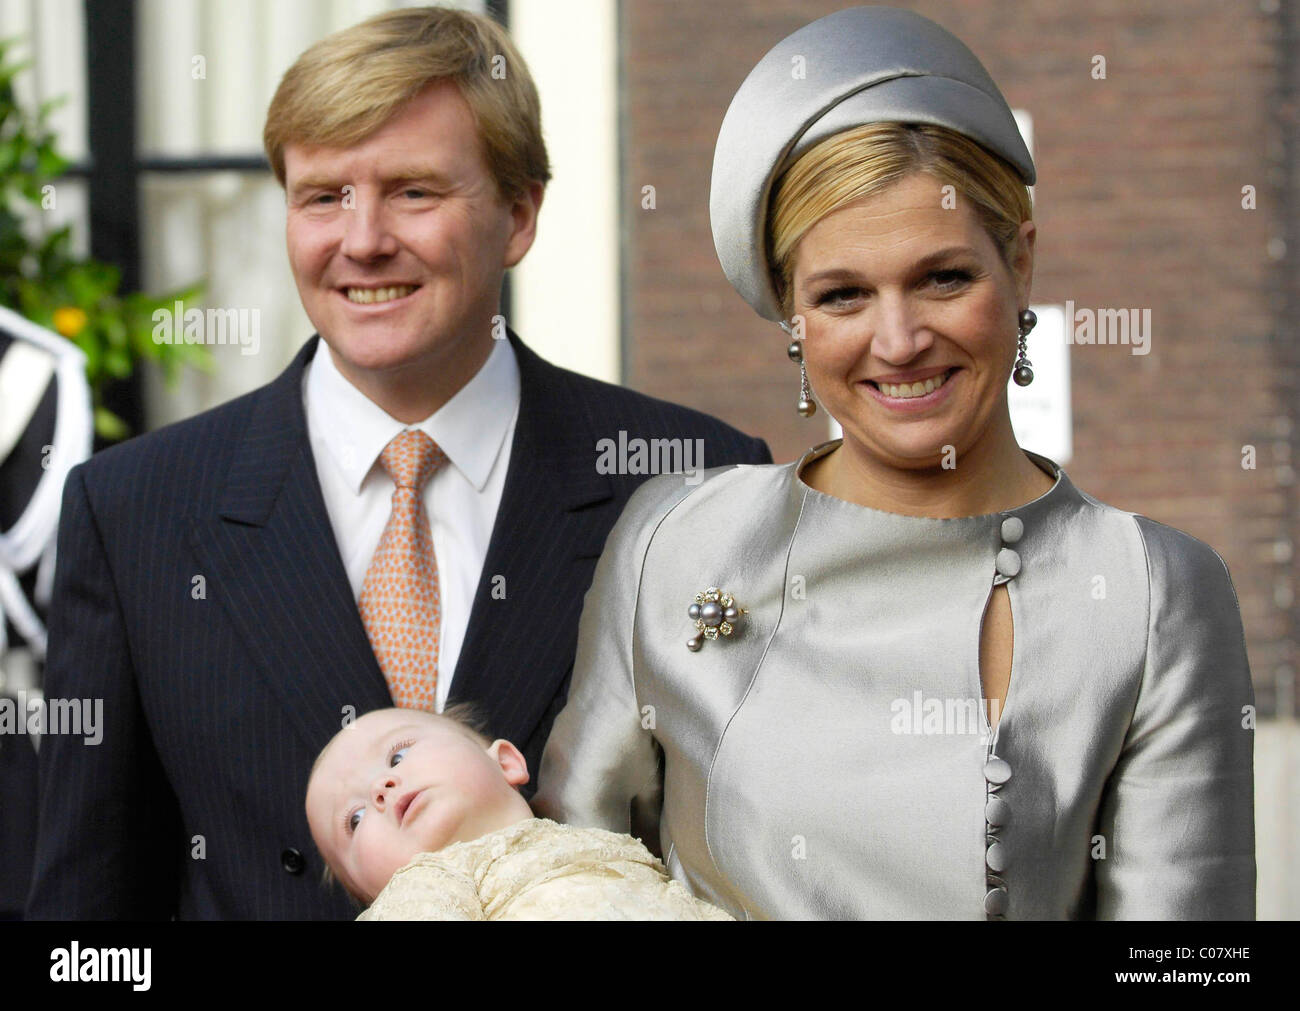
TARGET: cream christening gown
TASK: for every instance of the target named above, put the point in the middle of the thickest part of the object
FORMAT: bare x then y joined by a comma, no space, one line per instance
538,870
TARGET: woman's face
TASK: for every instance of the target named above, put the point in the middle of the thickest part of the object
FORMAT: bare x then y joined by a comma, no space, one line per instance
899,296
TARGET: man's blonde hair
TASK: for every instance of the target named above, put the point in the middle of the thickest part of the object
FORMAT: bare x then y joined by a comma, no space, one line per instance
349,84
857,163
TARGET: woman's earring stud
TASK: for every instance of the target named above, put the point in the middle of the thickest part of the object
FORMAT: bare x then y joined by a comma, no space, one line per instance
1023,373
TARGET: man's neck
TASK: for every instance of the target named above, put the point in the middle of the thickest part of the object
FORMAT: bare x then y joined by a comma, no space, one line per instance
415,391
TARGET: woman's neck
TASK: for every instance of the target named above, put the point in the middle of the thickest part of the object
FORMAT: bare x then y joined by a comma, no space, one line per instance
993,475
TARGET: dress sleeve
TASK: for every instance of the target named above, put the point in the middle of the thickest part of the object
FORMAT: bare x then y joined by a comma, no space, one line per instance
427,890
600,763
1177,813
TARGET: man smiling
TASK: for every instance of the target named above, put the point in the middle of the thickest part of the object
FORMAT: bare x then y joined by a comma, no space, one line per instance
411,513
398,245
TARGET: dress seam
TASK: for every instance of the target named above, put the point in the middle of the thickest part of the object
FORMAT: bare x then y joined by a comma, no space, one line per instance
658,771
1146,649
708,781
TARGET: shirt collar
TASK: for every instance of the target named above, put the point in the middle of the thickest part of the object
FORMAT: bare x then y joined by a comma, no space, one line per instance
470,428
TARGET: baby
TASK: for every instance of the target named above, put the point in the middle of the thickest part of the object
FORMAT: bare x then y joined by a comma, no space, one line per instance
419,816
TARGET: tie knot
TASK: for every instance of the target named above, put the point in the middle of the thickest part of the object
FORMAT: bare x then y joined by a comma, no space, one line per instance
411,459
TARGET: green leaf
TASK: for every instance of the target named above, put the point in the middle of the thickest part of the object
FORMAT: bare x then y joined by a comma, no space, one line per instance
90,281
49,105
117,363
90,347
49,163
40,272
109,426
8,73
115,330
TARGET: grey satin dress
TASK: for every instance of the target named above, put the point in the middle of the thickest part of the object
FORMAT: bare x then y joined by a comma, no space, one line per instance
831,759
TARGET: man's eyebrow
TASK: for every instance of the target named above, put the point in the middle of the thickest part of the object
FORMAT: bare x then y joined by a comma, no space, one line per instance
314,183
408,173
398,174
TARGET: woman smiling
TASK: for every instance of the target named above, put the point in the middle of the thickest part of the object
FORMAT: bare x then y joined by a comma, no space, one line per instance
926,676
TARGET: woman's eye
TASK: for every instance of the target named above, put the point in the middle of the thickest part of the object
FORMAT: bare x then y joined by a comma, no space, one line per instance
838,296
951,278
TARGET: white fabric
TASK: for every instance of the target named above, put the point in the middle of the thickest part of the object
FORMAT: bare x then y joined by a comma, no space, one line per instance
33,537
25,371
475,429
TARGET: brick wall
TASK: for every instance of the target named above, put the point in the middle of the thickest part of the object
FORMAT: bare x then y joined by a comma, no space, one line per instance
1138,206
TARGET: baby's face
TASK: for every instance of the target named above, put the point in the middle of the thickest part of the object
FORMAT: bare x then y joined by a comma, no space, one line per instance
398,782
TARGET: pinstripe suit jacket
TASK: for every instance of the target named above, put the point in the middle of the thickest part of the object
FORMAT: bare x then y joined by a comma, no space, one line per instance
219,691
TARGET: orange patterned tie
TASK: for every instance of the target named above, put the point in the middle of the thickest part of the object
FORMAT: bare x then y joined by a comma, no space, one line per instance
400,604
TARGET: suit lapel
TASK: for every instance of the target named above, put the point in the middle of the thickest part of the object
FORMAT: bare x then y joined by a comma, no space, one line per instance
272,559
519,647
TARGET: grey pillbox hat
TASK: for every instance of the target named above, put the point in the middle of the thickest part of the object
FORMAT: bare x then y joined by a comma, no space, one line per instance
862,65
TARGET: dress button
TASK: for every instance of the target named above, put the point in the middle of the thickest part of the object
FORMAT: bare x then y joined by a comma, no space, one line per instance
996,858
1007,562
995,902
997,812
291,860
997,771
1013,527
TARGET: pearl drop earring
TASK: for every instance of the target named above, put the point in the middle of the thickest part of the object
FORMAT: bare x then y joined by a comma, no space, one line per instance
1023,372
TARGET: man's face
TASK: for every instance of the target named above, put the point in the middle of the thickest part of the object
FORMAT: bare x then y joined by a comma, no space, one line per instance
398,243
398,782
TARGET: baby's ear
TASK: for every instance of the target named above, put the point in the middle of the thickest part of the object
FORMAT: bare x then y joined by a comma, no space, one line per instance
513,764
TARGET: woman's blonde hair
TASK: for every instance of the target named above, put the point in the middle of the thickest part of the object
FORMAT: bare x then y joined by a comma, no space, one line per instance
350,84
863,161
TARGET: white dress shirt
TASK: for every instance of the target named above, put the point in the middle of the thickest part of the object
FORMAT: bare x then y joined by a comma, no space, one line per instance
475,429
